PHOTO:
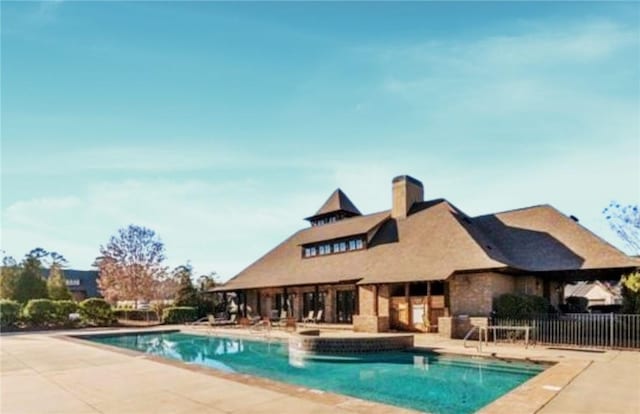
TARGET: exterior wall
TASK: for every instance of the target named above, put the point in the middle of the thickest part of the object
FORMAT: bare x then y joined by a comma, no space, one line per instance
473,293
366,300
529,285
383,300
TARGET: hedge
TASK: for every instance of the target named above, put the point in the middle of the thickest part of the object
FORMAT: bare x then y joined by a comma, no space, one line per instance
96,312
9,313
40,312
63,309
510,306
179,314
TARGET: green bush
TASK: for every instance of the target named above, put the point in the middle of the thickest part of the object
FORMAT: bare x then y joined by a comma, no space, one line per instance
40,312
96,311
511,306
9,313
179,314
63,309
576,304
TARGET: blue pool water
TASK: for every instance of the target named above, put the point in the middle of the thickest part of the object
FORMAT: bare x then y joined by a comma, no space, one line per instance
422,381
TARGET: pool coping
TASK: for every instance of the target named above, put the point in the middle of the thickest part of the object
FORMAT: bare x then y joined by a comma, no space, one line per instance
528,397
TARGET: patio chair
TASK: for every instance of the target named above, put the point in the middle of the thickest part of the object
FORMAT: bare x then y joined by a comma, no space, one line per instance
282,321
309,318
222,322
318,318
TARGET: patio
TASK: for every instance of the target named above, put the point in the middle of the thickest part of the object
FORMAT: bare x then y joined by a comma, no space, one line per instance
73,377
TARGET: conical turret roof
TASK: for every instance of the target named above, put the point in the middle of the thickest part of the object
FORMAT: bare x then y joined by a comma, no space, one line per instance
337,202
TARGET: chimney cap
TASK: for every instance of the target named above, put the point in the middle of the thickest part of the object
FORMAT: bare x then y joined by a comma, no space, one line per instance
408,178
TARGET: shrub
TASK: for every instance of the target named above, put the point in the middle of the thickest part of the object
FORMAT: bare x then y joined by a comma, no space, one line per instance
63,309
96,311
510,306
9,313
40,312
179,314
576,304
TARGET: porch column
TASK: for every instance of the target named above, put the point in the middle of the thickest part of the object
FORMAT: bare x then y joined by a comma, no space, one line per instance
259,303
407,298
427,315
374,289
224,300
316,300
285,300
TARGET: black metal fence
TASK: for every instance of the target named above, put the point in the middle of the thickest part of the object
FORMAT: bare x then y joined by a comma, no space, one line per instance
578,329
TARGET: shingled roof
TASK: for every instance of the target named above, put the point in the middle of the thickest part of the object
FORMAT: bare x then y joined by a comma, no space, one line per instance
337,202
433,242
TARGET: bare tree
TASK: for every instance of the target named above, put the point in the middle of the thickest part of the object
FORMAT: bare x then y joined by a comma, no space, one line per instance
625,221
131,265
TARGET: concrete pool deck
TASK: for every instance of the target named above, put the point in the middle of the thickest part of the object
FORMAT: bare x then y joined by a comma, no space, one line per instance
42,373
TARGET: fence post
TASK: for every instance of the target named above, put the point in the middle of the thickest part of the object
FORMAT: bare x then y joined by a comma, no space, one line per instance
611,329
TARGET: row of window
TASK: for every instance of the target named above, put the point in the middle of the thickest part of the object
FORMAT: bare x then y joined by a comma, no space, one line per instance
337,247
326,220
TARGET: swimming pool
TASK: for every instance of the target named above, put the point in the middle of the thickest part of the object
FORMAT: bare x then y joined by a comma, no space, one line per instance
422,381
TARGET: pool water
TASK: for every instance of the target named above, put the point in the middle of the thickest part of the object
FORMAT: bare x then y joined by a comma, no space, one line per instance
425,382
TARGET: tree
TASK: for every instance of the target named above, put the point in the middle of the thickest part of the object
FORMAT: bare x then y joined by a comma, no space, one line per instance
625,221
207,282
30,284
207,302
9,274
631,293
131,264
56,283
187,294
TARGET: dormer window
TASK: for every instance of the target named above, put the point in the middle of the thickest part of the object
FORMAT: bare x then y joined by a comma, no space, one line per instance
339,246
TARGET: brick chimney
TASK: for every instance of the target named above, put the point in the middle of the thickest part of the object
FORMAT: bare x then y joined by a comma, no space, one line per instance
406,191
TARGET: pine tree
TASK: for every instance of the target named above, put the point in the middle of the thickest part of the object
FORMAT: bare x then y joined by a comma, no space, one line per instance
57,284
30,284
187,294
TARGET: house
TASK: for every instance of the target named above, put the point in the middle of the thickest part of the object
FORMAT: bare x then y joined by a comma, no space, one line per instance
596,292
83,284
406,267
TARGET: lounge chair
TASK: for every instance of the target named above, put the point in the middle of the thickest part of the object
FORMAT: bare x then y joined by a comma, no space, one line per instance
309,318
282,321
318,317
222,322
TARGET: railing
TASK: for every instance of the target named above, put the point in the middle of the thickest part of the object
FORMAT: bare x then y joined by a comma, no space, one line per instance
468,335
580,330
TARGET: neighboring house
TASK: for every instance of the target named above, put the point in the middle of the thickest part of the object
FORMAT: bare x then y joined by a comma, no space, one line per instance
403,268
83,284
596,292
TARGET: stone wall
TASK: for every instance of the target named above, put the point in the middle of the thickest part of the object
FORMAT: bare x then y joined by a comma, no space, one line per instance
313,343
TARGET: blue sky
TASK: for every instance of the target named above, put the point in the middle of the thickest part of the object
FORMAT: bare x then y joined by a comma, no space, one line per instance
222,125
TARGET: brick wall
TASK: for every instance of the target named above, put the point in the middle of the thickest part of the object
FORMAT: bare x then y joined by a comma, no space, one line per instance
368,323
473,293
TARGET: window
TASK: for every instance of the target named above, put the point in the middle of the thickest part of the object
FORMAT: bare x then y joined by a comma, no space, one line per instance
339,247
324,249
352,244
309,251
359,244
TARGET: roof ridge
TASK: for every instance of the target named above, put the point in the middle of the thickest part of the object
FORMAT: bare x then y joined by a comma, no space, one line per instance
513,210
